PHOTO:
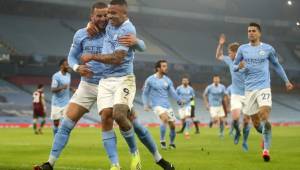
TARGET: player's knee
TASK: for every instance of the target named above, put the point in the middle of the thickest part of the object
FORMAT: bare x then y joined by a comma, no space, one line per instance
264,112
268,126
172,125
236,114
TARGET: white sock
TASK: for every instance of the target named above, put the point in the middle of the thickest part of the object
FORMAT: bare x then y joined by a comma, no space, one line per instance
157,156
52,160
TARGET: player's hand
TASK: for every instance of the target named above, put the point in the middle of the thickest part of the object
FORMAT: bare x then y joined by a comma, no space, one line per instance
84,71
289,86
92,29
65,86
242,65
128,40
86,58
222,39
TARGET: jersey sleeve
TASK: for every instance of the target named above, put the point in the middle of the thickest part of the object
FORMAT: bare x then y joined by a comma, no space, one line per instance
277,66
205,93
172,91
238,58
146,92
227,60
127,29
140,46
54,82
75,50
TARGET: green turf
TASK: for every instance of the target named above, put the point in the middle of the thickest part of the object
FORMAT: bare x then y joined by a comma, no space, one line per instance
20,149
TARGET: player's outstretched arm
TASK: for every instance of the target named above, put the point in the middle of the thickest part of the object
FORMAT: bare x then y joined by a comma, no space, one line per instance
130,40
220,48
279,69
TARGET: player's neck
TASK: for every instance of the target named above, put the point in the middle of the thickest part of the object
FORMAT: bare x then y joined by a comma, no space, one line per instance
63,72
159,75
255,43
185,86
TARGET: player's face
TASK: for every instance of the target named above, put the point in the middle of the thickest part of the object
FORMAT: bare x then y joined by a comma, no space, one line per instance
116,14
231,54
65,66
216,80
163,68
253,34
99,17
185,81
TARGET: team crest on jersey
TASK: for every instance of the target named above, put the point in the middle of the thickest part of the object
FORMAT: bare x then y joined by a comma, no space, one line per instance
261,52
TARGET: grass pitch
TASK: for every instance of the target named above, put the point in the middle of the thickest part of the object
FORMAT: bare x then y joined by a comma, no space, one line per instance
20,149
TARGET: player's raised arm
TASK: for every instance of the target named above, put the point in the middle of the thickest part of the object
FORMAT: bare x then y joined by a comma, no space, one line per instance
220,48
279,69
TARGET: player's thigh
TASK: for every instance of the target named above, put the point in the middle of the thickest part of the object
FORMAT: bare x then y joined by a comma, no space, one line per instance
86,95
57,112
125,91
236,106
75,111
264,100
105,95
107,119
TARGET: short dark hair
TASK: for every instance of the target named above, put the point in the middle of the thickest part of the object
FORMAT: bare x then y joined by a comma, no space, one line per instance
98,5
185,77
40,86
254,24
61,62
158,64
216,75
118,2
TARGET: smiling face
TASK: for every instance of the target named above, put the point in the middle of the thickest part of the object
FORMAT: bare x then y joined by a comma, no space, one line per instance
99,17
117,14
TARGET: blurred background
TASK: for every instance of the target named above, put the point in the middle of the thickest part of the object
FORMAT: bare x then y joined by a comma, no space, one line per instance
36,34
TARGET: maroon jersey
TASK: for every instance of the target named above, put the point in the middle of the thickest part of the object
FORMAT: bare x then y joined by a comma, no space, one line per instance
38,107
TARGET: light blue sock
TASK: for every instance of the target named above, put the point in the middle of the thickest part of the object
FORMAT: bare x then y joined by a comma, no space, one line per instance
110,144
172,136
61,138
188,122
144,136
130,139
246,132
163,130
267,134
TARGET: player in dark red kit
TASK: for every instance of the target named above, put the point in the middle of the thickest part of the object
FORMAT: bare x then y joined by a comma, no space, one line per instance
39,108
